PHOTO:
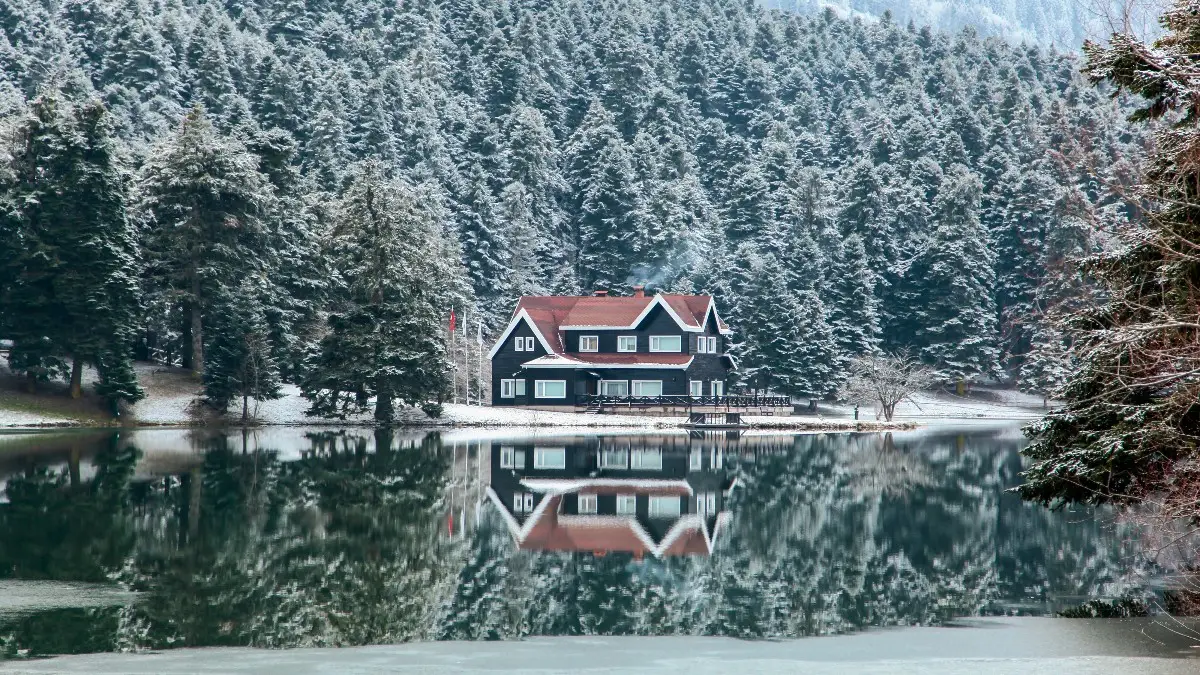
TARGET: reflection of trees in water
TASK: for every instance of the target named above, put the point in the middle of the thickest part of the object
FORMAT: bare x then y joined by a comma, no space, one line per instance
830,533
833,534
339,547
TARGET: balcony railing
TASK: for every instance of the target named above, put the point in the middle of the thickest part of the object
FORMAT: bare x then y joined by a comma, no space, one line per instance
732,401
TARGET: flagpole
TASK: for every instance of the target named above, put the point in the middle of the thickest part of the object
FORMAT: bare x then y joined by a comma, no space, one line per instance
453,358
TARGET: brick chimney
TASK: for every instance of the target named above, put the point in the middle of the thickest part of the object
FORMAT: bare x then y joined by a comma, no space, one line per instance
600,292
639,291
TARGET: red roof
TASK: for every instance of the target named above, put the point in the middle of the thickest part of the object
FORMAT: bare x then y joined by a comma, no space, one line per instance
551,314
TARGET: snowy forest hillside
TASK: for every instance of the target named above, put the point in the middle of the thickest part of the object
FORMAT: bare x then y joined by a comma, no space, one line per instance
1064,23
839,185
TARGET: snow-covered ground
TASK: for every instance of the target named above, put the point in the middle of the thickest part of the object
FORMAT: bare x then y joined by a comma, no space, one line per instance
172,399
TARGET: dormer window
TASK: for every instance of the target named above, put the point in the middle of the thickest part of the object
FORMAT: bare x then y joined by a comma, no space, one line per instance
666,343
589,343
712,345
627,343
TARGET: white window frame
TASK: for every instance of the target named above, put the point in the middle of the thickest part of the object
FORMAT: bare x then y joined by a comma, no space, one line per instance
712,345
522,502
657,340
646,459
664,506
593,339
586,504
626,505
622,346
696,460
508,457
604,382
539,388
695,387
633,388
507,388
701,345
706,503
519,387
540,458
718,387
609,459
519,344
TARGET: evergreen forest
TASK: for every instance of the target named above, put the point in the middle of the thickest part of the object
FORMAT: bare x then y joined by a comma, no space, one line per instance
251,188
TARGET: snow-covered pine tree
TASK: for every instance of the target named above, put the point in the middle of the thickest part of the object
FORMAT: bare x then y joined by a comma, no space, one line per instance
73,291
238,355
956,325
386,339
206,200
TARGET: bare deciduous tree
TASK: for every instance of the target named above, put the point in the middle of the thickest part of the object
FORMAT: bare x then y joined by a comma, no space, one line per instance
886,379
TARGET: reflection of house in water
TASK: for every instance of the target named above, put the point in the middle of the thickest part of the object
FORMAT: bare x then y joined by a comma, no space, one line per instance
638,494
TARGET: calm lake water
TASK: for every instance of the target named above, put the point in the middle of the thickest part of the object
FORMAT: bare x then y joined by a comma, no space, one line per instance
309,537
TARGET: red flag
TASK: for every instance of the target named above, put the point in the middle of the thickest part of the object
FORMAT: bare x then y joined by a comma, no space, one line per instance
453,320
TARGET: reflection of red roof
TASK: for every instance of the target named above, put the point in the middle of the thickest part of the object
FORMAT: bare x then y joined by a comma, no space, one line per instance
554,531
551,314
548,530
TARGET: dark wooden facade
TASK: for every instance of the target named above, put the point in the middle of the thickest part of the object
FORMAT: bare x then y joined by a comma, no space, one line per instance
584,371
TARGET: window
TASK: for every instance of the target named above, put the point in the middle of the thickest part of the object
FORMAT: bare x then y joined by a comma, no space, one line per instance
522,502
614,459
647,460
712,345
664,507
647,387
506,388
519,344
716,459
696,388
587,504
718,388
666,343
695,460
626,504
550,388
549,458
614,387
520,388
706,503
589,343
701,344
508,459
627,343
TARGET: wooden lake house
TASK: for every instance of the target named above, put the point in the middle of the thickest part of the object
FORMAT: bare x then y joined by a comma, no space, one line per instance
655,354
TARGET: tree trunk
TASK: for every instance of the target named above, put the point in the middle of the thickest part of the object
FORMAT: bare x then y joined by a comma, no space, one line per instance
197,342
76,377
383,404
245,408
30,382
888,411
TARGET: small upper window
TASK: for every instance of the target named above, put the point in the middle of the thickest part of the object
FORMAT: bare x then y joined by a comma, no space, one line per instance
589,343
712,345
701,345
626,504
627,343
666,343
519,344
587,503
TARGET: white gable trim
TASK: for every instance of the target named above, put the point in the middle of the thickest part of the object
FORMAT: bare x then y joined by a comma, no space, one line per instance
712,309
518,532
512,325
